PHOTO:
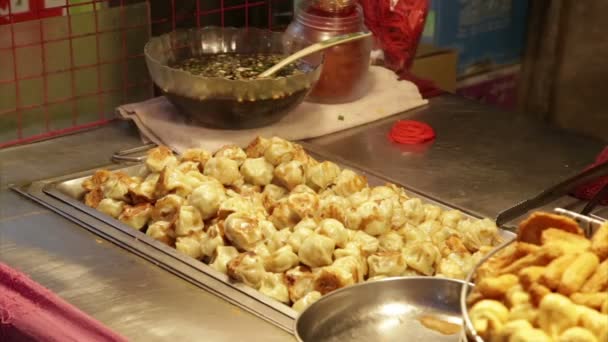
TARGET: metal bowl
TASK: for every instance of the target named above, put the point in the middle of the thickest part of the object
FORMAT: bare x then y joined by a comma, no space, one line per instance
222,103
392,309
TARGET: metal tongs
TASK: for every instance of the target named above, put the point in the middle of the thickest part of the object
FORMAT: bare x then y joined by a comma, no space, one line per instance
555,192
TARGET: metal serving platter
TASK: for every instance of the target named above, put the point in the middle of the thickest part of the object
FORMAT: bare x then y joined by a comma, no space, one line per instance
64,194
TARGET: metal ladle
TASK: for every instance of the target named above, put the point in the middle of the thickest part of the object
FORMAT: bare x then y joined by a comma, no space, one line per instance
326,44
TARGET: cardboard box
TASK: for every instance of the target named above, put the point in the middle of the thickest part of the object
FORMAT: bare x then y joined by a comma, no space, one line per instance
437,65
498,87
485,33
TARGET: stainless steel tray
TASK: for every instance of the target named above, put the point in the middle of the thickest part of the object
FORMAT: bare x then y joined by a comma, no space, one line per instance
64,195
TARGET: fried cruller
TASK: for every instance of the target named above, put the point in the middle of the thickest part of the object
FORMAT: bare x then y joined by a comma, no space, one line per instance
294,228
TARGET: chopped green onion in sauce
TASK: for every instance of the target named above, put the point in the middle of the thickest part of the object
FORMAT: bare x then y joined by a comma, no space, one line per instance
235,66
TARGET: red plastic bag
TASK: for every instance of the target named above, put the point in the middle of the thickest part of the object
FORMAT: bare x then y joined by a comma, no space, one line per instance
397,26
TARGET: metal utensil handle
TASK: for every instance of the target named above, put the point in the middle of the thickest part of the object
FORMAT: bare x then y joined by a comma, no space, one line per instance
600,196
123,156
551,193
590,223
326,44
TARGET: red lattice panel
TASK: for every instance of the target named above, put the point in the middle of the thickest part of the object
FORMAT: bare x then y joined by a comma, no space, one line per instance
66,64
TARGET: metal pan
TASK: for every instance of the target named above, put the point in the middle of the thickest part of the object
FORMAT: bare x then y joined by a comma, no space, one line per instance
392,309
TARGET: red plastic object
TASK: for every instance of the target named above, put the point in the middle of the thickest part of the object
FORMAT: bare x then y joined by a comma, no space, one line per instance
587,191
411,132
397,28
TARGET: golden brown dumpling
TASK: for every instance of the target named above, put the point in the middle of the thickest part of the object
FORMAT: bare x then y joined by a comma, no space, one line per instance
414,211
300,233
303,189
322,175
480,233
375,218
170,180
162,231
242,230
450,218
136,216
211,240
189,245
197,155
334,207
267,228
111,207
283,215
303,204
429,227
281,260
271,196
145,191
367,243
316,250
207,198
117,186
225,170
188,166
330,278
390,264
423,257
279,151
222,256
390,242
231,152
360,197
188,221
455,265
257,171
289,174
300,281
348,183
248,268
306,301
431,212
160,157
167,208
334,230
273,285
278,239
356,265
257,147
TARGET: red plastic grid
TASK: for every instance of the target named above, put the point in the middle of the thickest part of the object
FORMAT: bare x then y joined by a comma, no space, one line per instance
163,15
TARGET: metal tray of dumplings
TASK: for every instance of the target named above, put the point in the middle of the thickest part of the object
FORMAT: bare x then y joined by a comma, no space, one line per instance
64,195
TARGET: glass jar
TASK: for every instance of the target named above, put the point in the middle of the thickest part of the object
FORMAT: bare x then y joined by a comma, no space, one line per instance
345,74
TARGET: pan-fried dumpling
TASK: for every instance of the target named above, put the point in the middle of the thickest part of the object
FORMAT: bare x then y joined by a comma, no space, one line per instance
117,186
334,230
334,207
300,233
455,265
440,235
273,285
303,204
262,250
289,174
167,208
431,212
360,197
189,245
303,189
351,249
413,235
188,221
423,257
367,243
136,216
271,196
257,147
279,151
170,180
414,211
322,175
188,166
257,171
375,218
390,242
278,239
111,207
450,218
383,192
239,204
316,250
267,229
348,183
356,265
248,268
390,264
330,278
281,260
211,240
197,155
95,181
242,230
231,152
429,227
306,301
225,170
283,216
159,157
222,256
480,233
145,191
300,281
162,231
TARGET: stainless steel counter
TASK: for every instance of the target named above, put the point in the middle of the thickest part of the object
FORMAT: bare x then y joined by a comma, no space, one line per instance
483,160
